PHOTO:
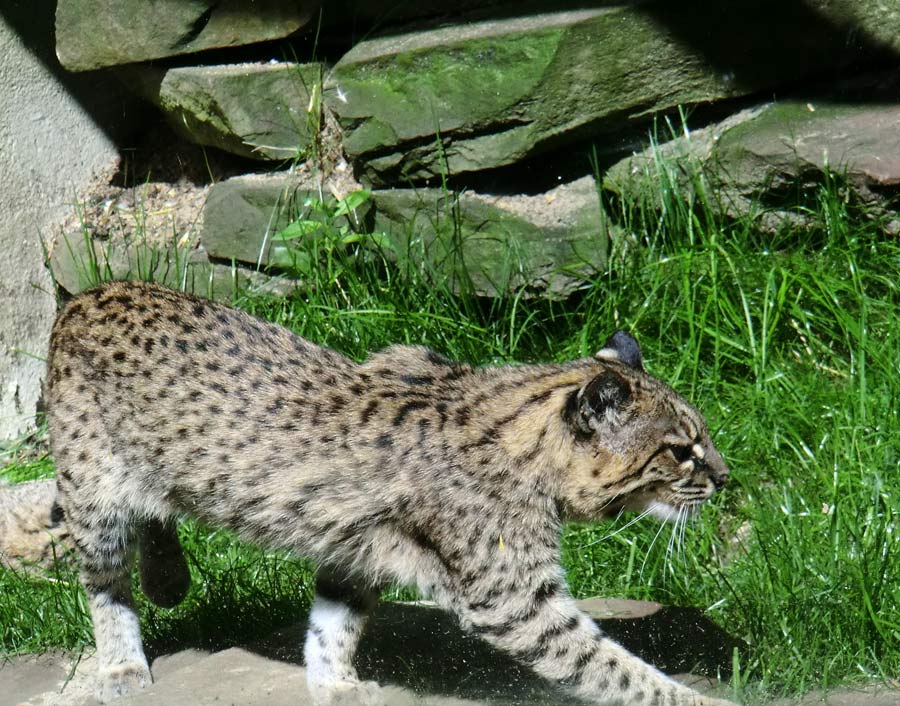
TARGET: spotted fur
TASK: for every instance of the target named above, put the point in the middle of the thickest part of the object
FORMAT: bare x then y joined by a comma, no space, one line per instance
33,532
406,468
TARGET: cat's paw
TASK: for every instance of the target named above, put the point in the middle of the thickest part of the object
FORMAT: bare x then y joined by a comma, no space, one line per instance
346,693
120,680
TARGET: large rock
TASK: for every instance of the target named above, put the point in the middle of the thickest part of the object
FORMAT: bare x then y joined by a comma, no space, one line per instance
772,161
91,34
548,243
484,94
262,111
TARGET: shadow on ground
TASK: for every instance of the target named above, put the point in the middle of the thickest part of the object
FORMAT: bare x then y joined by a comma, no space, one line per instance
421,648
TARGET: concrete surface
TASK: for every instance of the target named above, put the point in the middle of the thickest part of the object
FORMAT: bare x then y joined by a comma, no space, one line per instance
50,149
416,652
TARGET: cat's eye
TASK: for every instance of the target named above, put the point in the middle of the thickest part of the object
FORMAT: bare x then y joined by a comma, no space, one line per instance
682,453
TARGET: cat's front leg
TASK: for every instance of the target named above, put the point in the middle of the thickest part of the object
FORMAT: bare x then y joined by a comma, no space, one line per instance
339,613
543,627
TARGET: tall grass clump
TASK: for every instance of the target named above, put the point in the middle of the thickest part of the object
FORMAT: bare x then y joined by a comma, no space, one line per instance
787,341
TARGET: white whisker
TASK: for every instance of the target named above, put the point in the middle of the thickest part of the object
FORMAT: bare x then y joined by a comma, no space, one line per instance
628,524
649,549
671,543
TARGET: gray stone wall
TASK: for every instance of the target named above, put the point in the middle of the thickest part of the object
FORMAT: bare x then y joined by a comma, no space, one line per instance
50,148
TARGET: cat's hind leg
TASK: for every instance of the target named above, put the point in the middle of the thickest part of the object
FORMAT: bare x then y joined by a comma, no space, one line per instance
93,494
339,613
106,552
165,577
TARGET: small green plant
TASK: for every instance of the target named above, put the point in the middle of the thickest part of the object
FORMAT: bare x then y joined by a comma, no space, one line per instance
320,244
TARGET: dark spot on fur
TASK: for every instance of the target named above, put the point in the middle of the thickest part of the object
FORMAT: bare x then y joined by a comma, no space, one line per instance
546,590
417,379
368,411
337,403
57,514
406,409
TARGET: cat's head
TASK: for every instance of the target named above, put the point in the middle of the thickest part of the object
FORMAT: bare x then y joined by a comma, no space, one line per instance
636,443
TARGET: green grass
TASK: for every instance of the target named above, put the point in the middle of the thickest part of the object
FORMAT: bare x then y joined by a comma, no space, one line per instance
789,343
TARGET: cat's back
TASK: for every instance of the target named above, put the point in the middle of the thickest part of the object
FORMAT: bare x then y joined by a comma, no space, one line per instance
138,328
170,380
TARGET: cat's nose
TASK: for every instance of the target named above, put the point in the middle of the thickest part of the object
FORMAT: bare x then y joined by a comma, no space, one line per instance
718,474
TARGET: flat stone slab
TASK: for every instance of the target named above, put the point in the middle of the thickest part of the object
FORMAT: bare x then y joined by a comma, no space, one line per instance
24,677
264,111
409,109
862,696
78,264
549,244
133,30
770,161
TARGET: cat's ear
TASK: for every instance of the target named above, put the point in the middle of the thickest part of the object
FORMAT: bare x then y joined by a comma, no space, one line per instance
599,401
623,347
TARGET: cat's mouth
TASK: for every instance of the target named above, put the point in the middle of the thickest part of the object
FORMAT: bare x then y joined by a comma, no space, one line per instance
665,509
666,512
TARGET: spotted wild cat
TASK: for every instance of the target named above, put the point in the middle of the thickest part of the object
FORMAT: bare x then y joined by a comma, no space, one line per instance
405,468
